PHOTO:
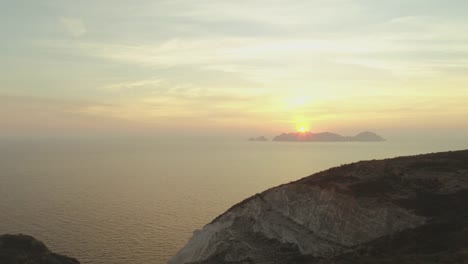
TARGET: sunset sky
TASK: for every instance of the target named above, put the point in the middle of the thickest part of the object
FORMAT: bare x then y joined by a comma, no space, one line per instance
233,67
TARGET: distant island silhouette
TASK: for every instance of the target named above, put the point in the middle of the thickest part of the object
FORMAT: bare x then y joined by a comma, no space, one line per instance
328,137
260,138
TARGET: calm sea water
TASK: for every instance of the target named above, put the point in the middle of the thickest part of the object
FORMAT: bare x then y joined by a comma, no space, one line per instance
138,201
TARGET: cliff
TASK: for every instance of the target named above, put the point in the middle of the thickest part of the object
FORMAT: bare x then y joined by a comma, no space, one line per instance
327,137
401,210
23,249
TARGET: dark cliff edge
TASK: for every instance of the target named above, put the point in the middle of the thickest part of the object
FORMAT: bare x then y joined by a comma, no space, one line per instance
23,249
402,210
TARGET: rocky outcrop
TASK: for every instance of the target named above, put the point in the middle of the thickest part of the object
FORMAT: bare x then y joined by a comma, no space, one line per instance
401,210
327,137
23,249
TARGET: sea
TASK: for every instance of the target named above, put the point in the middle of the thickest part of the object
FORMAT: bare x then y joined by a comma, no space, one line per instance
138,201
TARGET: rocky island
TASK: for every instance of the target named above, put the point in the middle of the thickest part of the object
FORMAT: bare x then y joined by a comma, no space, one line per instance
260,138
327,137
23,249
401,210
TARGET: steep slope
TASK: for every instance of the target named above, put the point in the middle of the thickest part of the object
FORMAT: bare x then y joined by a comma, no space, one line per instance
366,212
23,249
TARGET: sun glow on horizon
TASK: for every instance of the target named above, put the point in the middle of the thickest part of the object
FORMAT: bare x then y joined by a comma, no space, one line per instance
302,124
302,128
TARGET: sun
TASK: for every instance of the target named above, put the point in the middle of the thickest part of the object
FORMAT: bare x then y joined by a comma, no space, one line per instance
302,124
302,129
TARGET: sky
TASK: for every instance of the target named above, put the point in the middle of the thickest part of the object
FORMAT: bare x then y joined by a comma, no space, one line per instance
215,67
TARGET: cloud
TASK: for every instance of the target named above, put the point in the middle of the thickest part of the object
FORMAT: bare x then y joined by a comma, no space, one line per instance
194,107
21,115
210,61
135,85
74,27
402,46
163,103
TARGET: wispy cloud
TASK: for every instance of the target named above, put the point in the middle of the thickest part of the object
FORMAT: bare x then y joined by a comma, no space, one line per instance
74,27
152,84
224,62
390,45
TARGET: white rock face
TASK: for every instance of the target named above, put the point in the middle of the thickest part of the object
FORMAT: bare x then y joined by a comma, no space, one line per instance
318,222
333,212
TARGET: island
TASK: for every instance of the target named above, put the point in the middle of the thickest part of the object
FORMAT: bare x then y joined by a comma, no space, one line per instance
260,138
328,137
402,210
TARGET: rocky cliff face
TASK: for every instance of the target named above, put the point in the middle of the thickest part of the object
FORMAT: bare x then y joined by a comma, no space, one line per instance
403,210
23,249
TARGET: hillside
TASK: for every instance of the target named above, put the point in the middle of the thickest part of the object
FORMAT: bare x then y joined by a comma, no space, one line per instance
400,210
23,249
